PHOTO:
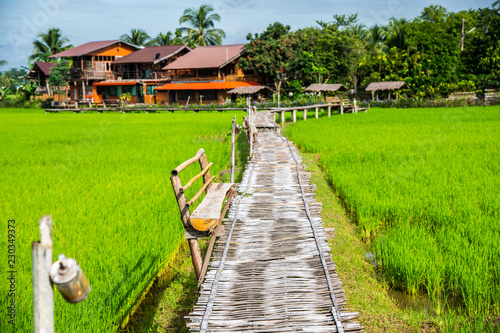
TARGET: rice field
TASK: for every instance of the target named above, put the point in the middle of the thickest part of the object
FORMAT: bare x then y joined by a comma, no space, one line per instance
104,178
424,187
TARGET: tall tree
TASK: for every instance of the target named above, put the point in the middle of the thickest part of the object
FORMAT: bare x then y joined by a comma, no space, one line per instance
3,63
397,34
169,38
48,44
375,37
137,37
201,31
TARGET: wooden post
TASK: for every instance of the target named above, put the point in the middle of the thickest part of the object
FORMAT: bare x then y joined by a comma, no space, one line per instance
462,35
282,117
355,106
250,121
194,246
373,95
342,108
43,295
233,128
294,115
397,95
317,109
305,114
329,111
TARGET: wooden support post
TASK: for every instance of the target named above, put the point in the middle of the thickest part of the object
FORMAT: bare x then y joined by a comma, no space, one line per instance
355,106
317,115
250,120
233,129
294,115
329,111
43,295
342,108
305,114
397,95
194,246
373,95
282,117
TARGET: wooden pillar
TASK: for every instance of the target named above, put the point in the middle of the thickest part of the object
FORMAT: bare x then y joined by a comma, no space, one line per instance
389,95
373,95
43,294
282,116
329,111
305,114
397,95
355,106
233,134
317,115
294,115
342,108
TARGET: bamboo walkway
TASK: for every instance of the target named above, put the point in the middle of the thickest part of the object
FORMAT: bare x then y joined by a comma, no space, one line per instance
272,271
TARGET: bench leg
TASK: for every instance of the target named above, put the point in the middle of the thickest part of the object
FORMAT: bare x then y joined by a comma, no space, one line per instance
204,268
194,246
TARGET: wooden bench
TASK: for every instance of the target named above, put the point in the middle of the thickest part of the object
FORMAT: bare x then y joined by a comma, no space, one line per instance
462,96
206,219
491,94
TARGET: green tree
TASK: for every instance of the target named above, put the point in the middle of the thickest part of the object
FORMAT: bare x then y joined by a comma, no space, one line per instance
201,31
3,63
434,13
59,77
375,38
169,38
49,44
396,34
137,37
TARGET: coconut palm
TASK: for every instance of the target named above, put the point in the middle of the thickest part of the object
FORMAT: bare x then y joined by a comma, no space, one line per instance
397,34
169,38
375,37
202,31
137,37
48,44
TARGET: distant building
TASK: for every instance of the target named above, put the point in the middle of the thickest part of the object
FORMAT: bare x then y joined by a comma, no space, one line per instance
205,75
40,72
92,63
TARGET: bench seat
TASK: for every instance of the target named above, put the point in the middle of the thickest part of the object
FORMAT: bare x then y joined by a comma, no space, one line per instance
207,215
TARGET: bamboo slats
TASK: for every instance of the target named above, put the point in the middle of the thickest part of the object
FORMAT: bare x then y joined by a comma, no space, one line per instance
272,278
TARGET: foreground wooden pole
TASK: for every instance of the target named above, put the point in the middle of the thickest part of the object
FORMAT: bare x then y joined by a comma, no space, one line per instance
317,109
233,129
294,116
342,108
329,111
305,114
43,295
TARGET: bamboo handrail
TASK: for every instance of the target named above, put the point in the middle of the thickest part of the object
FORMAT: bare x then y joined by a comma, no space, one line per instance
187,163
185,187
200,191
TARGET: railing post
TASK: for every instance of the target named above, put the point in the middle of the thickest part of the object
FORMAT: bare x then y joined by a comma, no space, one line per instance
329,111
43,295
294,115
317,109
342,108
305,114
233,129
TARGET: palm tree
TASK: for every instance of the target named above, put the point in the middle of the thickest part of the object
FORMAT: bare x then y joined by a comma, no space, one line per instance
137,37
376,36
397,34
169,38
48,44
202,31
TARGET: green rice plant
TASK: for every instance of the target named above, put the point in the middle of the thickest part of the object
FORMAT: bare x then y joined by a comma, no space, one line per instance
423,183
104,178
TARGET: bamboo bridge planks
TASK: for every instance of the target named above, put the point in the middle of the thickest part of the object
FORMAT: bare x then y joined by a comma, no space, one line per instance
268,271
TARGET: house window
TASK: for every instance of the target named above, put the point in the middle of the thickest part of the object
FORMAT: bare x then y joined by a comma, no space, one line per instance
183,95
118,90
150,90
210,95
112,91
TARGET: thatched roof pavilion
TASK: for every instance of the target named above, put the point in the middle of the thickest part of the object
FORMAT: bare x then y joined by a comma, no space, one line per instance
389,85
250,90
316,87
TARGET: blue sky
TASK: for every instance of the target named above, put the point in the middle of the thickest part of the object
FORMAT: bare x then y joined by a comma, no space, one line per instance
90,20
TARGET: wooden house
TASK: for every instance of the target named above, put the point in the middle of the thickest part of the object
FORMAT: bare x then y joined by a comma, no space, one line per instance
40,73
138,74
205,75
92,62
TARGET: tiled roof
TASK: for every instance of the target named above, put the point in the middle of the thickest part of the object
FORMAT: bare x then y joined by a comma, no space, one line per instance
206,85
151,54
88,48
44,66
208,57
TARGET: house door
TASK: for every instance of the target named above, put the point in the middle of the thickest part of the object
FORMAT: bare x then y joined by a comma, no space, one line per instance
171,98
140,93
75,94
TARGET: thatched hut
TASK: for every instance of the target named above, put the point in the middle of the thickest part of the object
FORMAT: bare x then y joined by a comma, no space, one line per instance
389,85
320,87
254,91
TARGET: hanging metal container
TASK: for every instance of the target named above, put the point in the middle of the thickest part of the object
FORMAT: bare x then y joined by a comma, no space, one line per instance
69,279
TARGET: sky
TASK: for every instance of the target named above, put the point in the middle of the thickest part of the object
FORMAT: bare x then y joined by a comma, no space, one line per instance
93,20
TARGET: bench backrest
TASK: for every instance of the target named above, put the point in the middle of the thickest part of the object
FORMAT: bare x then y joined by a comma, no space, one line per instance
180,189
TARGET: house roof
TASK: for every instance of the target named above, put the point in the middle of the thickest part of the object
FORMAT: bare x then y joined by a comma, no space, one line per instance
326,87
88,48
215,56
44,66
149,54
247,90
206,85
389,85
